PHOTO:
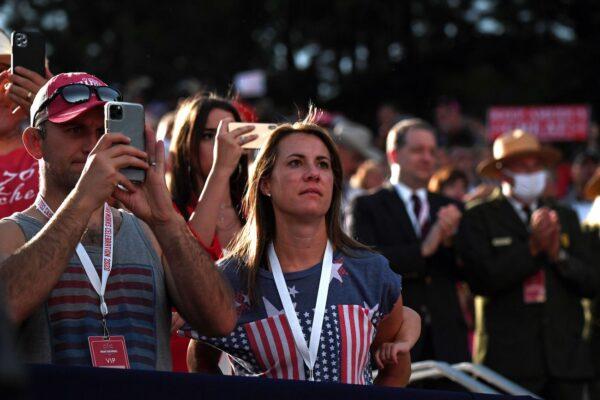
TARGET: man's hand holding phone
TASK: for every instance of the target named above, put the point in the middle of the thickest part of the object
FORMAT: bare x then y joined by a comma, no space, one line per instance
150,201
102,171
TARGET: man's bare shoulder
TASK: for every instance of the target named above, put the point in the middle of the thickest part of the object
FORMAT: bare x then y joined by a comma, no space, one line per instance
11,238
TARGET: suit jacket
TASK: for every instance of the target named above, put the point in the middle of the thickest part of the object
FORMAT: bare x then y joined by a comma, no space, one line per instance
518,339
428,284
592,234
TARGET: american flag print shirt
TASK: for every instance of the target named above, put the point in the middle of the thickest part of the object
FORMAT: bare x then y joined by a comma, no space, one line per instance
363,290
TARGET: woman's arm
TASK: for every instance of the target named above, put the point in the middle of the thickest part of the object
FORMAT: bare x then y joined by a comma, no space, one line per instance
227,153
397,334
403,342
203,358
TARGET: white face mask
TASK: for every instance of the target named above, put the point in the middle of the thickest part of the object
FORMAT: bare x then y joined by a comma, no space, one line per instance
528,187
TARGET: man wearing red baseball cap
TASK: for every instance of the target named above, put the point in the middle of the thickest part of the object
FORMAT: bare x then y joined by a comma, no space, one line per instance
89,284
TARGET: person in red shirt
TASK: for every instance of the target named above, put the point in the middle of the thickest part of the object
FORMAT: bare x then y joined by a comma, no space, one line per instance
208,178
18,170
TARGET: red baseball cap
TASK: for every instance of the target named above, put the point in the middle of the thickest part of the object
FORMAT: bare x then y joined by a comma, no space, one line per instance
59,110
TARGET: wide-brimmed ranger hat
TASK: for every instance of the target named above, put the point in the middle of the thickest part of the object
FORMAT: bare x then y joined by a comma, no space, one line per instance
514,144
592,188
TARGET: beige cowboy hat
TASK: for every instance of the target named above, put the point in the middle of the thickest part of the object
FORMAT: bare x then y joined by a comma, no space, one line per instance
592,188
4,48
512,144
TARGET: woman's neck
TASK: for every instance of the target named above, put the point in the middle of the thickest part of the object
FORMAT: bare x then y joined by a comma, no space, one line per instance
300,244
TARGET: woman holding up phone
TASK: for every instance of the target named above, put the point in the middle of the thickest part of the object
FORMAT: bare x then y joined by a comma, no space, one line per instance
313,303
208,178
210,170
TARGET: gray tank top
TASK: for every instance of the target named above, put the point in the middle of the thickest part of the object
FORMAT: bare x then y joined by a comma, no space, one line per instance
136,296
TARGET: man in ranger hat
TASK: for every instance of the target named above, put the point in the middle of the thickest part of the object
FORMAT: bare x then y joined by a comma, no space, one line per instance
525,260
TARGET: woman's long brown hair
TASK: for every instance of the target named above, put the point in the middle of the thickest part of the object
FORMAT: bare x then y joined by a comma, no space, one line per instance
250,244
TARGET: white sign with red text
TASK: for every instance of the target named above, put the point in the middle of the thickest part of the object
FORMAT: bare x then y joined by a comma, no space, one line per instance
555,123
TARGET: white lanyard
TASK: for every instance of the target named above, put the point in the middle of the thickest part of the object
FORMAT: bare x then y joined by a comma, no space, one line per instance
309,354
88,266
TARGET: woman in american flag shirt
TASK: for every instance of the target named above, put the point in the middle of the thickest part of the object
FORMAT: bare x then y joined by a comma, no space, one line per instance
293,205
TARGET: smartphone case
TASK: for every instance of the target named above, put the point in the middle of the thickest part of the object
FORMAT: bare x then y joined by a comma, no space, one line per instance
131,124
262,129
28,51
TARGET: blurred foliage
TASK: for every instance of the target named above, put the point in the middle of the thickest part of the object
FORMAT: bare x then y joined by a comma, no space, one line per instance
348,55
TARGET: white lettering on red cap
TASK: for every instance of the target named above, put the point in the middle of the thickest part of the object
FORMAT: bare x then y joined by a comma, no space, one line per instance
91,81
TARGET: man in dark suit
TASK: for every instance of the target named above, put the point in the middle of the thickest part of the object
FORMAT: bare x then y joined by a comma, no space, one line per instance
413,228
526,260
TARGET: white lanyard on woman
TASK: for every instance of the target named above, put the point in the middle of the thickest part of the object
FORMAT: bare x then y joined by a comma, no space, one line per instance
88,266
309,353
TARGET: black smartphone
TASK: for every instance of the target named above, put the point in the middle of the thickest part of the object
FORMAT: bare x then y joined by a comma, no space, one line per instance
128,119
28,51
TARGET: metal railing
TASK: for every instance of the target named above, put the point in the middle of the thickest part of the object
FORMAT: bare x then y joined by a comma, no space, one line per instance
468,375
438,369
495,379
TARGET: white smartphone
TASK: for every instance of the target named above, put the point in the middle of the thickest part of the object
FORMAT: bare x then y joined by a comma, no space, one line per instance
263,130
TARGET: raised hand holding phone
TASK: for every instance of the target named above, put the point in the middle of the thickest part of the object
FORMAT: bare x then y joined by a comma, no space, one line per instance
230,141
262,131
128,119
28,72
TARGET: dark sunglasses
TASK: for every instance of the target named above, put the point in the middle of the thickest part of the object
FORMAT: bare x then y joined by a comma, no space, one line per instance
80,93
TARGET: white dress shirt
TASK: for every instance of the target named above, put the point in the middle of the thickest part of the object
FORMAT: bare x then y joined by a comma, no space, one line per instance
405,193
518,206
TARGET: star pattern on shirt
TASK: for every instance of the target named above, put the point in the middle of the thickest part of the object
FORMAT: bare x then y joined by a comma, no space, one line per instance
327,356
293,291
338,271
238,348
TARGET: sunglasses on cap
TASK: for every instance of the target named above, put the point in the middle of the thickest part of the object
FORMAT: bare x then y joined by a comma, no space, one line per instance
77,93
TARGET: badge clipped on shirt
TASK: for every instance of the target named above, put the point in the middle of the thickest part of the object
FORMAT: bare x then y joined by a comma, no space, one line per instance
109,352
534,288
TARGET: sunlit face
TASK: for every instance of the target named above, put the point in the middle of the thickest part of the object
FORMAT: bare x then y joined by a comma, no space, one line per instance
66,146
301,183
417,157
207,139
